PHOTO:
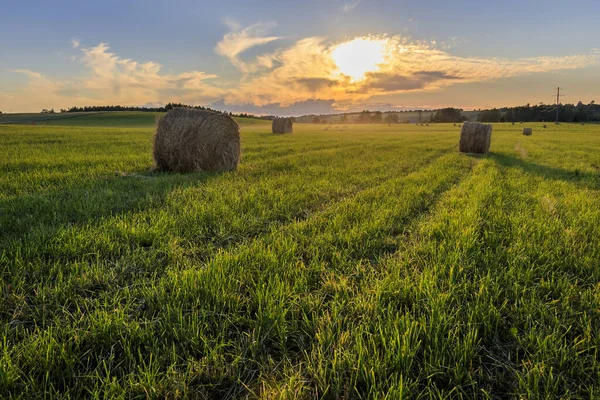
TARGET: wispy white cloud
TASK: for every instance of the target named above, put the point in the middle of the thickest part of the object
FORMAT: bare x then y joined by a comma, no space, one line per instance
75,43
110,79
240,39
29,73
348,7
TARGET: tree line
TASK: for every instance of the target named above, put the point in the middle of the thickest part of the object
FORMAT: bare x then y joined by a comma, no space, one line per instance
537,113
165,108
364,117
527,113
543,113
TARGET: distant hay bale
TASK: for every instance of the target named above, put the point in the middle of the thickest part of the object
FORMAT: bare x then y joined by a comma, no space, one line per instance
282,125
455,124
189,140
475,138
545,126
528,131
426,124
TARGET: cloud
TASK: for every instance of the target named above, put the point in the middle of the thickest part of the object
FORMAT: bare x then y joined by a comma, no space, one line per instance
394,82
294,78
110,79
348,7
239,40
307,70
29,73
110,75
75,43
304,71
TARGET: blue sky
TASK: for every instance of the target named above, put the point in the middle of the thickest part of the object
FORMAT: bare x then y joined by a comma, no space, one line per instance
279,56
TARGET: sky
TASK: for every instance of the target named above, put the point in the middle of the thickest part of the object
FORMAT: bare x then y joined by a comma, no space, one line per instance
298,57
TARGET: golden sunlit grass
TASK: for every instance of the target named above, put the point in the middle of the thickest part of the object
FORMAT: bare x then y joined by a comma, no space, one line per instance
359,56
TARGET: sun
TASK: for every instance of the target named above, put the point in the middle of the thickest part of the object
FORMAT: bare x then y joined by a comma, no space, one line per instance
359,56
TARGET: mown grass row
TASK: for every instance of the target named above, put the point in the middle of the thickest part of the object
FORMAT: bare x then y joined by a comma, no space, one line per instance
382,264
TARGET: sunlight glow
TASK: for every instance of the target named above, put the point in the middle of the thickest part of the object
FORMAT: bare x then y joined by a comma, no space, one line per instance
359,56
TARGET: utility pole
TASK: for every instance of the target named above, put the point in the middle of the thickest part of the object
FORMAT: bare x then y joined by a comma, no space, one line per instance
557,102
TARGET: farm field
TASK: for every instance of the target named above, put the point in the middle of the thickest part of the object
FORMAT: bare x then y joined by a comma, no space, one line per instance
370,263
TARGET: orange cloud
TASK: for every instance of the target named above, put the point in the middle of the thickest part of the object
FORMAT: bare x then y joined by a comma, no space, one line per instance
304,70
308,70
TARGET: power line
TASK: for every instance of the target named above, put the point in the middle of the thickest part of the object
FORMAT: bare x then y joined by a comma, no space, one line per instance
558,96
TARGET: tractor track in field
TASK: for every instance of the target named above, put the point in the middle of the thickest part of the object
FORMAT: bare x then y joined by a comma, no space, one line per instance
305,213
290,153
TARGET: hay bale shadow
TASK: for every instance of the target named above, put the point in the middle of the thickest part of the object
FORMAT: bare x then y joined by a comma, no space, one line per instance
582,179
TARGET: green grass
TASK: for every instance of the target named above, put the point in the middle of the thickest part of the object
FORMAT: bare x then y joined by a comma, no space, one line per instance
119,119
371,263
40,119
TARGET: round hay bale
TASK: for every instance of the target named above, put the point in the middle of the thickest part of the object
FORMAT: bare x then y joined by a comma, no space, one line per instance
189,140
282,125
528,131
475,138
545,126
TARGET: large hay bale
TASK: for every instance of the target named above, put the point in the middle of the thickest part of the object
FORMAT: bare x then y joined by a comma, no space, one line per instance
282,125
189,140
527,131
475,138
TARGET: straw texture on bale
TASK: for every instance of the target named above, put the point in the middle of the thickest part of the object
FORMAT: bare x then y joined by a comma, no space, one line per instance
189,140
475,138
282,125
527,131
